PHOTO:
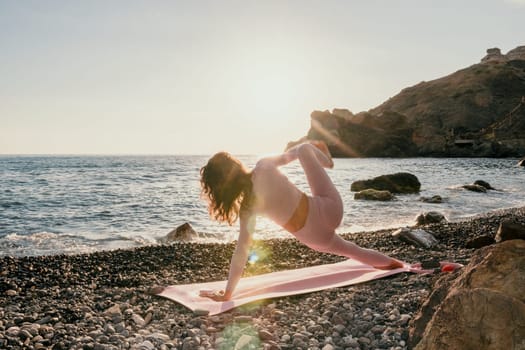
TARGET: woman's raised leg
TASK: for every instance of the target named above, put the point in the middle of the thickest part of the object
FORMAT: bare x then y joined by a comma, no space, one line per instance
331,204
312,160
331,212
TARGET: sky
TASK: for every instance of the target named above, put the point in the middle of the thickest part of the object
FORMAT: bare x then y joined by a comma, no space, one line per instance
197,77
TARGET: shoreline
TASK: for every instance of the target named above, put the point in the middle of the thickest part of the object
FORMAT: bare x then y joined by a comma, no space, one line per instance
100,300
206,238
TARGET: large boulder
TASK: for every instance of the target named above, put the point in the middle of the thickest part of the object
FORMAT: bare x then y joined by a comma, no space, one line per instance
182,233
484,184
395,183
483,308
477,319
374,195
431,217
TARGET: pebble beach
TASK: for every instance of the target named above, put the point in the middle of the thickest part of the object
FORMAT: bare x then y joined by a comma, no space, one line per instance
101,300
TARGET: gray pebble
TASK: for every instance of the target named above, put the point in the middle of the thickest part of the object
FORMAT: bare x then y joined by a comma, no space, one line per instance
139,321
13,331
146,345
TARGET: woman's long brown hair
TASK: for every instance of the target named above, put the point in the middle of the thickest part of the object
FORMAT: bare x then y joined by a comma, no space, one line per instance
227,186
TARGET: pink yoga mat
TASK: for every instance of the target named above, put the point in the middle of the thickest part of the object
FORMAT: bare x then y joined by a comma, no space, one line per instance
278,284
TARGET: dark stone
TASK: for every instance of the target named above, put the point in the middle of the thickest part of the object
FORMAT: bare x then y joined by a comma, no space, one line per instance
484,184
374,195
418,238
509,230
431,217
475,188
434,199
395,183
182,233
480,242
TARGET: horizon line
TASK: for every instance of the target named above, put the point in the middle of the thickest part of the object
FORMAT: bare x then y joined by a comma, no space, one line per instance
113,154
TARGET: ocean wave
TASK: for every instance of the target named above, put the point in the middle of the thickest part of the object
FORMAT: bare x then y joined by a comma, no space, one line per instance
15,237
49,243
41,243
10,204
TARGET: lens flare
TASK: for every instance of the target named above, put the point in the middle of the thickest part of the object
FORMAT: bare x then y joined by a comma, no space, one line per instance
258,253
239,336
334,140
252,258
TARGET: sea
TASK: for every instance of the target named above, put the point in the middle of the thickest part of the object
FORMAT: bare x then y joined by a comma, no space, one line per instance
79,204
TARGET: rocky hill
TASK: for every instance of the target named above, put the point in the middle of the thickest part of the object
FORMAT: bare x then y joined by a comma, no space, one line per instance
478,111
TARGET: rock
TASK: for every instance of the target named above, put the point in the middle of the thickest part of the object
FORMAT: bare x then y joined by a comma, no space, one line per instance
433,199
139,321
244,342
112,311
476,319
148,318
158,337
480,242
508,230
484,307
374,195
265,335
404,319
394,183
484,184
146,345
431,217
480,118
429,307
13,331
521,162
517,53
109,329
11,293
475,188
243,319
416,237
494,54
182,233
343,113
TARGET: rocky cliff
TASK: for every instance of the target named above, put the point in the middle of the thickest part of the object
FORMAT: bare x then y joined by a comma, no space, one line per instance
477,111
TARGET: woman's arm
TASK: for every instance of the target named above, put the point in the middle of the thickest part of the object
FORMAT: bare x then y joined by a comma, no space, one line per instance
240,256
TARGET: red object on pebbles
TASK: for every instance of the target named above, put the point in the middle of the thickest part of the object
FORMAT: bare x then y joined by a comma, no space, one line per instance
448,268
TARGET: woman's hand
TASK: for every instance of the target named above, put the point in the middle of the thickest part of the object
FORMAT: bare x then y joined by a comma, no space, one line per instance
394,264
217,295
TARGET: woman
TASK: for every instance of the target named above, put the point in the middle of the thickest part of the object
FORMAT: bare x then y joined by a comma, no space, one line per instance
235,192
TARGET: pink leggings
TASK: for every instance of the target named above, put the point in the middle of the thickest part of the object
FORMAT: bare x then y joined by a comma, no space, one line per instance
326,212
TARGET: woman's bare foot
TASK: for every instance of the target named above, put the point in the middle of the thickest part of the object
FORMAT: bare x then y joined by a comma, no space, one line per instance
321,145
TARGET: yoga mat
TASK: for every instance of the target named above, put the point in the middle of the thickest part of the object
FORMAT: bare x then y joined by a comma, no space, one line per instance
277,284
